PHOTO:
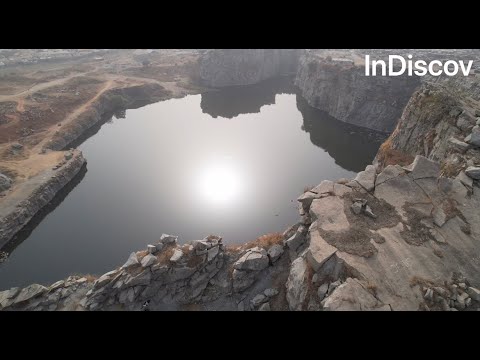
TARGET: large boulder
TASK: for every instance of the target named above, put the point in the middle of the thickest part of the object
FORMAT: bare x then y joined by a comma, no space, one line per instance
7,296
275,252
29,293
131,261
167,239
5,182
325,187
474,137
297,284
422,168
254,259
148,260
242,279
352,296
366,178
473,172
329,214
297,239
319,251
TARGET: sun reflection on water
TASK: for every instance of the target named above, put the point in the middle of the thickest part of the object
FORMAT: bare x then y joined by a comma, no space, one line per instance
220,182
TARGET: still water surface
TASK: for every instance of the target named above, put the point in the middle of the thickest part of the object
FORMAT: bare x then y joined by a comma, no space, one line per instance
230,162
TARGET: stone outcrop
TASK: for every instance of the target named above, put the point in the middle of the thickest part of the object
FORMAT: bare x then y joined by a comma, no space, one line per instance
5,182
232,67
341,89
35,193
439,122
419,252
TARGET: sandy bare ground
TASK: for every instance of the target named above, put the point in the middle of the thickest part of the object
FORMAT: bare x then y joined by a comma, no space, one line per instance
36,101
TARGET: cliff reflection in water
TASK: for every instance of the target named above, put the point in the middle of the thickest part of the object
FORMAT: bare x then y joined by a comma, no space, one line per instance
352,147
232,101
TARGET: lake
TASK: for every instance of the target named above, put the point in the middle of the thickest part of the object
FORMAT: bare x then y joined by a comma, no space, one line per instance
229,162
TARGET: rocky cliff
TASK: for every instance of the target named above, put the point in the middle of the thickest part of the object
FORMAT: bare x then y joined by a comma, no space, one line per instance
340,88
442,122
230,67
361,244
35,193
104,107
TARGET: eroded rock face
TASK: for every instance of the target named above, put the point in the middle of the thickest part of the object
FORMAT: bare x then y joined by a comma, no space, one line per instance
342,90
439,122
13,219
231,67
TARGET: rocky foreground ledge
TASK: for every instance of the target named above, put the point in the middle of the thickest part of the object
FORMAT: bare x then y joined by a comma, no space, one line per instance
404,239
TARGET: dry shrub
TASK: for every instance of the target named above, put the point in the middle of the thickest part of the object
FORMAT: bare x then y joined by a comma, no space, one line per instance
372,288
450,170
192,307
389,156
438,253
164,256
195,260
141,254
233,248
186,249
265,241
90,278
422,282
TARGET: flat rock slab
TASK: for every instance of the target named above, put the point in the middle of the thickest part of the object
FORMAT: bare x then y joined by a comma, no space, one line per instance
352,296
29,293
473,172
341,190
325,187
330,214
424,168
297,284
400,190
474,137
319,251
366,178
457,144
453,188
390,172
464,179
254,259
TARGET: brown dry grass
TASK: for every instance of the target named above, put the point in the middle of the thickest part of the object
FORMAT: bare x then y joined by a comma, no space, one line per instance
389,156
450,170
192,307
265,241
233,248
186,249
438,253
422,282
195,260
141,254
90,278
164,256
372,288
